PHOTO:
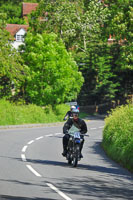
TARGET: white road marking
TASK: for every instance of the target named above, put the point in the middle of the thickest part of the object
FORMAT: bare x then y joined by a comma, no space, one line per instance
24,148
23,157
31,142
58,191
39,138
101,126
39,175
49,135
57,133
33,171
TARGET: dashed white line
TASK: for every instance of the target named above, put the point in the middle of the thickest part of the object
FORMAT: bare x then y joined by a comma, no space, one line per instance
24,148
58,191
37,174
57,133
101,126
33,171
39,138
93,128
23,157
31,142
49,135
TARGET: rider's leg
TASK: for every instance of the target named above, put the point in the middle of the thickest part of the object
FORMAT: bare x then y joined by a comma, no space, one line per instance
65,143
81,147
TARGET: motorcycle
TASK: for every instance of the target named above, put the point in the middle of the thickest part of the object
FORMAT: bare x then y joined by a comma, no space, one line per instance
73,149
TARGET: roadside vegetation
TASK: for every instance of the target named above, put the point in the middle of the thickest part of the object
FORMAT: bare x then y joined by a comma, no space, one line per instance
72,58
118,136
11,114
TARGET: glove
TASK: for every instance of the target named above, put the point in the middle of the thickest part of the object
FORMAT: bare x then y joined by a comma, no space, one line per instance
66,133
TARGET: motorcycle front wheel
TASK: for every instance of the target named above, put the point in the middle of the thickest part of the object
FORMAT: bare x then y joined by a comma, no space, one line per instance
69,158
76,155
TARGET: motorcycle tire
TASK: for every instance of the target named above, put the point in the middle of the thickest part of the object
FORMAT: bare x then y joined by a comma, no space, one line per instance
75,161
76,155
69,161
69,158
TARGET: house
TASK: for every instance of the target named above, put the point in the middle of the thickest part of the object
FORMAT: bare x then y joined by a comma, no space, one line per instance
18,31
27,8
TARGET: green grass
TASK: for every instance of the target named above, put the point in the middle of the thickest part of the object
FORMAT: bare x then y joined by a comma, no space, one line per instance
118,136
11,114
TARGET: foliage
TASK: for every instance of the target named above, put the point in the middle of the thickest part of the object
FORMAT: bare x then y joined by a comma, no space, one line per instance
53,74
118,135
84,27
101,81
121,16
11,67
13,11
70,20
11,114
119,24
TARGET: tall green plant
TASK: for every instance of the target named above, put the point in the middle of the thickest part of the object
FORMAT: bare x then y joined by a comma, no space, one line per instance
11,66
70,20
118,135
53,74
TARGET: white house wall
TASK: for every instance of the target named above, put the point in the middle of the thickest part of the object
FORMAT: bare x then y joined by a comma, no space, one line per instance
21,32
16,44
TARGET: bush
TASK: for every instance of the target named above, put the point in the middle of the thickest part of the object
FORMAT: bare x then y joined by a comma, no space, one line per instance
118,135
11,114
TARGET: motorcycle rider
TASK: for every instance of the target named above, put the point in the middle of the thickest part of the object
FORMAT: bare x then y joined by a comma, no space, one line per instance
78,123
69,113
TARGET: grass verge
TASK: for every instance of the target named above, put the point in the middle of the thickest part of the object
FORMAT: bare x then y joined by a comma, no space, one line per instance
11,114
118,136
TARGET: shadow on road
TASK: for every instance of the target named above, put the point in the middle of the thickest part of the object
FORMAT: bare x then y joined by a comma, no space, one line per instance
3,197
107,170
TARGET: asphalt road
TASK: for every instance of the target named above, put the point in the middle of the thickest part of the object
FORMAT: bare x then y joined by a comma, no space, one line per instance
32,167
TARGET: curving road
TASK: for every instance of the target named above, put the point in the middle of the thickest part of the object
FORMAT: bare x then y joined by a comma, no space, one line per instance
32,167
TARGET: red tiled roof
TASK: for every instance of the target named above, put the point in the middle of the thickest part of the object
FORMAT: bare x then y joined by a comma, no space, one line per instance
27,8
14,28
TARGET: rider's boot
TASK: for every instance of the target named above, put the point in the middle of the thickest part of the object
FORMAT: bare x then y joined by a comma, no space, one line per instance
81,156
64,151
81,147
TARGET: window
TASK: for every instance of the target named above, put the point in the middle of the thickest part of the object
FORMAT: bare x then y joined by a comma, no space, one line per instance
19,38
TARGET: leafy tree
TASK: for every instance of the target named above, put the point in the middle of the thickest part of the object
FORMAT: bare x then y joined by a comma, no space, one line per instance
53,74
10,63
119,24
70,20
13,11
120,19
101,84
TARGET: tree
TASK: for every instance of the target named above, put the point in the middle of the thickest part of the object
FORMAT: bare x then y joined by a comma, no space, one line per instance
70,20
119,25
53,74
101,81
11,67
13,11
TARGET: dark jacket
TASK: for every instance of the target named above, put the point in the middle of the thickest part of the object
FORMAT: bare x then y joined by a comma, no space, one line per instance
80,123
68,115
